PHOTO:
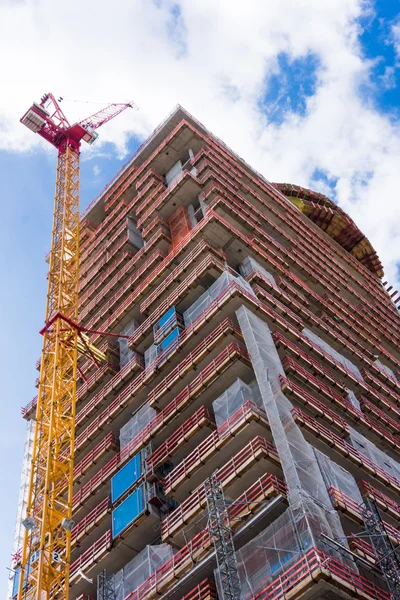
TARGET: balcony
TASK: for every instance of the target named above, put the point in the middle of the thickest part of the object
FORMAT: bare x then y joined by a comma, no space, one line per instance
90,522
354,460
204,388
252,461
317,575
200,547
107,284
180,376
191,433
182,192
246,422
348,506
205,590
386,504
95,456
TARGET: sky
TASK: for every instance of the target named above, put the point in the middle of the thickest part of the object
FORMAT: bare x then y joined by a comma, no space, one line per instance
305,91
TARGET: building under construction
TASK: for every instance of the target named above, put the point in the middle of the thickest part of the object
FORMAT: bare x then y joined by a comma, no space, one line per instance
242,439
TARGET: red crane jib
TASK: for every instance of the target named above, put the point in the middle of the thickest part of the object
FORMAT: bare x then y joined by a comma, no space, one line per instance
48,120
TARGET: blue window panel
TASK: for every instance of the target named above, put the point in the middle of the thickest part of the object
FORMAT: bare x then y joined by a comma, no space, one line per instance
166,316
129,510
17,575
16,582
126,477
170,339
171,319
275,567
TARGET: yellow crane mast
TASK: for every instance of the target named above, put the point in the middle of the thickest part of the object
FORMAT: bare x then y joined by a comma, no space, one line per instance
45,562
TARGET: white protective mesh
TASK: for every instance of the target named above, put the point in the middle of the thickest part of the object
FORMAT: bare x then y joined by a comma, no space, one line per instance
336,355
140,568
135,424
386,370
125,354
212,293
22,497
307,491
353,399
364,446
150,354
278,547
233,397
249,264
334,475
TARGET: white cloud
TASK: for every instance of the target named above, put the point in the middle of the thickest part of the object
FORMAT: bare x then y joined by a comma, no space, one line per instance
96,170
214,58
396,37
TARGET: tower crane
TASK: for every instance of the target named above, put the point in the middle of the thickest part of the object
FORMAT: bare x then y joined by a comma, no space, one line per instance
45,562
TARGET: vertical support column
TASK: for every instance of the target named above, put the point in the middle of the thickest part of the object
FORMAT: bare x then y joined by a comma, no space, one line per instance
307,493
221,534
387,557
46,552
105,586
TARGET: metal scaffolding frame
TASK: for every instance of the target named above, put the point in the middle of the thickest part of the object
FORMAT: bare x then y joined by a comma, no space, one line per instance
387,558
221,534
105,586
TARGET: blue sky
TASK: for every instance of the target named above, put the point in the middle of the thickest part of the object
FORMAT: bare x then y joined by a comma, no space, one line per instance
309,96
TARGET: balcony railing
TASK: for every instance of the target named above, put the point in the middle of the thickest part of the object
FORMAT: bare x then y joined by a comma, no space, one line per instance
214,442
89,522
204,591
344,448
201,545
347,504
201,418
317,566
92,555
235,467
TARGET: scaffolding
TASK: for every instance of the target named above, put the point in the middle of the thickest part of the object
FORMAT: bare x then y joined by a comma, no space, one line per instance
163,405
22,502
387,557
105,586
221,534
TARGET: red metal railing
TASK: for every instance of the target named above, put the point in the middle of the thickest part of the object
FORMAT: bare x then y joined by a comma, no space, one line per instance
136,362
345,448
116,281
319,407
205,589
315,564
348,503
385,503
86,524
252,452
92,554
248,411
109,441
201,418
375,382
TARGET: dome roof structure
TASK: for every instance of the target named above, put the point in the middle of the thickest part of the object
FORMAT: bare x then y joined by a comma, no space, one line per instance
335,222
